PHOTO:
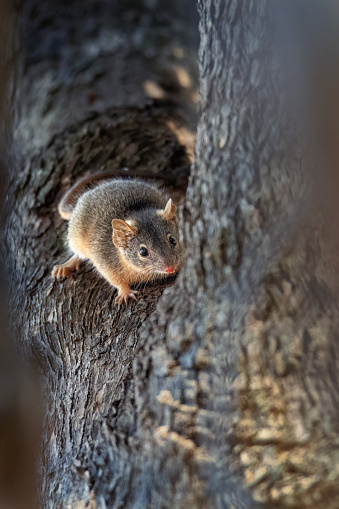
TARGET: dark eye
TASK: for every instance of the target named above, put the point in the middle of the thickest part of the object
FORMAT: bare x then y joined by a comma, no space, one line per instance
172,241
143,252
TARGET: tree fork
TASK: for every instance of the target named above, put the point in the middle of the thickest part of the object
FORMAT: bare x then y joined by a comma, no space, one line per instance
223,392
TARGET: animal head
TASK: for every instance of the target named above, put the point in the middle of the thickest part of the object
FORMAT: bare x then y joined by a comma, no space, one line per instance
149,240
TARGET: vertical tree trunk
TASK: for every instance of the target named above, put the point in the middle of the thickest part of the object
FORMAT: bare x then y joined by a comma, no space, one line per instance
241,381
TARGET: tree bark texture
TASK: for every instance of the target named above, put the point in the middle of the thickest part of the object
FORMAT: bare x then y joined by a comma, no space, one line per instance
223,391
101,85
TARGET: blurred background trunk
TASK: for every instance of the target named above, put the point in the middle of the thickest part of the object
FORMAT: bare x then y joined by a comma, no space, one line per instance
19,391
223,393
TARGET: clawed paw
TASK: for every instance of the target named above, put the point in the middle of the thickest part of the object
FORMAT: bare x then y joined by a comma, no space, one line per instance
64,270
59,271
122,298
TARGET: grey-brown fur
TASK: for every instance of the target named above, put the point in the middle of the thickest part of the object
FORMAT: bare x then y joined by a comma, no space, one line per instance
134,200
68,202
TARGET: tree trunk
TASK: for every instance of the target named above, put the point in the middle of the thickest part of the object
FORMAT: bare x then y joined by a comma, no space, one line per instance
223,392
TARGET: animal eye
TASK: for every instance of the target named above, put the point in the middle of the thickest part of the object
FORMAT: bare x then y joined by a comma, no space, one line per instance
143,252
172,241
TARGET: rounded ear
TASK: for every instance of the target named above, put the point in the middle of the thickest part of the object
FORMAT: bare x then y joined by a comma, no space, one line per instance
169,212
124,226
122,232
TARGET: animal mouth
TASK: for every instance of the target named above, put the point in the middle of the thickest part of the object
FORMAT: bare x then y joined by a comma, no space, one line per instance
166,271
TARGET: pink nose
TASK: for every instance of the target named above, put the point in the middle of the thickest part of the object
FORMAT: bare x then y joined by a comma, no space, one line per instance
169,270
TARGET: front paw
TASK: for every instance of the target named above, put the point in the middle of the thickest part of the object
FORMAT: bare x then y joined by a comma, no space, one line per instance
123,296
60,271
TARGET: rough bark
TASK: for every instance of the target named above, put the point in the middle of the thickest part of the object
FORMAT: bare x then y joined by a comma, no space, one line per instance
223,392
101,85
